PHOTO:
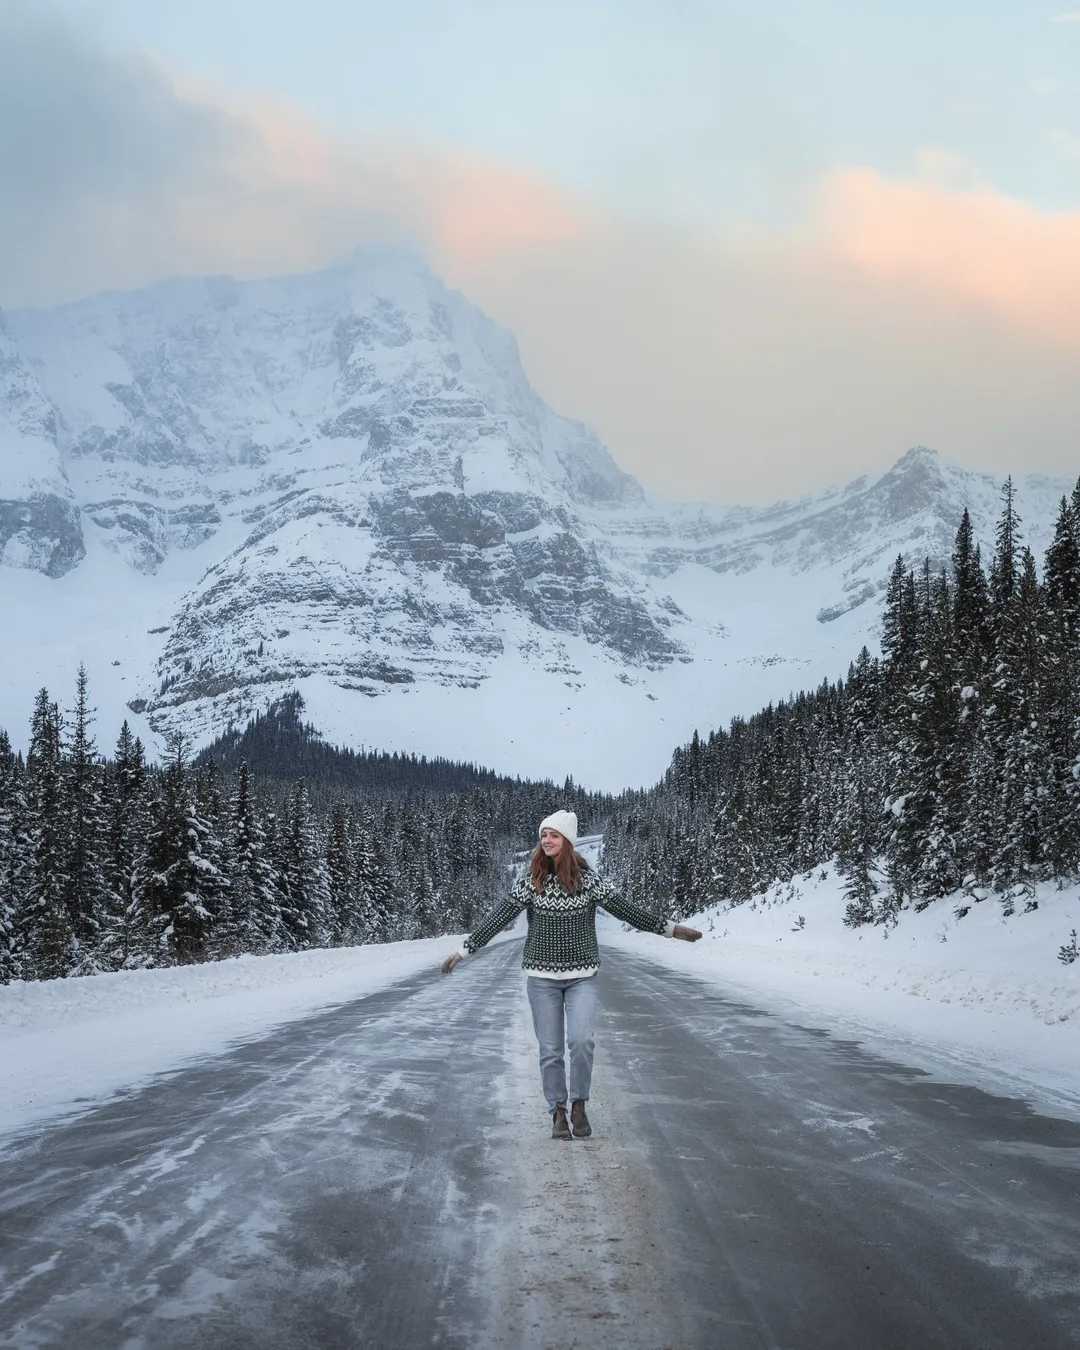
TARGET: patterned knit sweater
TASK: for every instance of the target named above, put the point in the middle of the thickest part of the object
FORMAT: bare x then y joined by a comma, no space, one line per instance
561,943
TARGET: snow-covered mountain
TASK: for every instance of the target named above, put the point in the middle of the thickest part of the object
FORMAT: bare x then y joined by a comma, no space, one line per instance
215,491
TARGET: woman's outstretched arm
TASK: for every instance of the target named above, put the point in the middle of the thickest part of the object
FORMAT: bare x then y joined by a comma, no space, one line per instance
494,921
621,908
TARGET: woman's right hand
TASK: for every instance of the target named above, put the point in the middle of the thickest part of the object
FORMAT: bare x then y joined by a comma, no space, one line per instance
451,962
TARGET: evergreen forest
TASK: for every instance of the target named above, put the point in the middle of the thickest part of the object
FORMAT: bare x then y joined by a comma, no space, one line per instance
111,863
949,766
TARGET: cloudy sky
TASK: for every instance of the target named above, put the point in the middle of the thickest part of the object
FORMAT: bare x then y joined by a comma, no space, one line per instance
762,248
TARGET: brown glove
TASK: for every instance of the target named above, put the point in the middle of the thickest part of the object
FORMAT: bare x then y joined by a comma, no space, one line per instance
452,962
686,934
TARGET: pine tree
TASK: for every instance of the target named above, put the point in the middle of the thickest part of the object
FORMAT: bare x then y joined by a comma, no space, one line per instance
973,647
939,769
254,908
858,864
341,908
905,689
48,939
1005,574
211,862
125,939
1018,862
898,626
303,874
183,883
416,880
970,612
371,889
84,882
13,851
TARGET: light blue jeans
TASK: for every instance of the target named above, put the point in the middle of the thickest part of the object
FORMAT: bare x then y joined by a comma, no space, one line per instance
564,1017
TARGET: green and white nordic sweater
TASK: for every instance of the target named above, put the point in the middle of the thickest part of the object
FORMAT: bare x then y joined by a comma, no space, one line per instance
561,943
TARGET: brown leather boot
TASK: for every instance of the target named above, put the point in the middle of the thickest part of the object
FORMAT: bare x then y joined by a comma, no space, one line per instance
580,1121
559,1127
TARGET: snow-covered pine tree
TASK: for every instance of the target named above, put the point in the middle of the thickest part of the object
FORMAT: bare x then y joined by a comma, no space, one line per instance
302,874
84,880
1005,568
973,647
209,797
253,910
461,860
47,938
939,770
970,614
341,924
858,862
183,883
907,802
1007,720
373,914
772,845
13,855
416,885
859,792
820,724
210,826
125,938
899,626
1018,862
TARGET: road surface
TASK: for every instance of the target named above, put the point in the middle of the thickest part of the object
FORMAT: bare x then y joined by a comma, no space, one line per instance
380,1175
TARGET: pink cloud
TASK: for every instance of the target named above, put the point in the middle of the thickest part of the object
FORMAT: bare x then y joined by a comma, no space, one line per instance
455,204
974,247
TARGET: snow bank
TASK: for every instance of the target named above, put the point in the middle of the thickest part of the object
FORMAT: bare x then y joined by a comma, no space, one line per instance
981,999
64,1042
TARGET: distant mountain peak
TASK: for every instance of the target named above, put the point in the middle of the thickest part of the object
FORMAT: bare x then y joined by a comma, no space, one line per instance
344,484
919,455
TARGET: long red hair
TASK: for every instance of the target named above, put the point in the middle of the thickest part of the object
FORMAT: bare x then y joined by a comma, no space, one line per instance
569,865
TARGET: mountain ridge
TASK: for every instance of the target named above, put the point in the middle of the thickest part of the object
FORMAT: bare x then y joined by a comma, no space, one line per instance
344,483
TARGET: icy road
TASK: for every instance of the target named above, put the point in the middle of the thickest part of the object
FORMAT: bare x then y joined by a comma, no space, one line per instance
380,1175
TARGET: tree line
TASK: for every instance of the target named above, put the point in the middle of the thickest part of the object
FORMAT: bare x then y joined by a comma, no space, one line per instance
113,863
951,764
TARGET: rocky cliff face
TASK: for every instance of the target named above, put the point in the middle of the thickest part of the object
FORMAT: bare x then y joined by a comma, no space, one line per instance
364,491
40,523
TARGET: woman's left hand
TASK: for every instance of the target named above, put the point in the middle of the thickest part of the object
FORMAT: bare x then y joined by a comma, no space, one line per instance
685,934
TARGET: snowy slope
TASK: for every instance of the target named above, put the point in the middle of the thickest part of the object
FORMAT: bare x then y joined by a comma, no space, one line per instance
343,483
982,999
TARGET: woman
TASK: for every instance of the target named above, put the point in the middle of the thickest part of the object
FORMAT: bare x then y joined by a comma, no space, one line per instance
560,893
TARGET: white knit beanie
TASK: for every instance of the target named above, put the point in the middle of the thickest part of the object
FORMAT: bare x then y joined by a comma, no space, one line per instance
563,821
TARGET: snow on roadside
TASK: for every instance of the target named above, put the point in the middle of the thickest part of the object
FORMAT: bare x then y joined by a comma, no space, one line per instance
980,999
65,1043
